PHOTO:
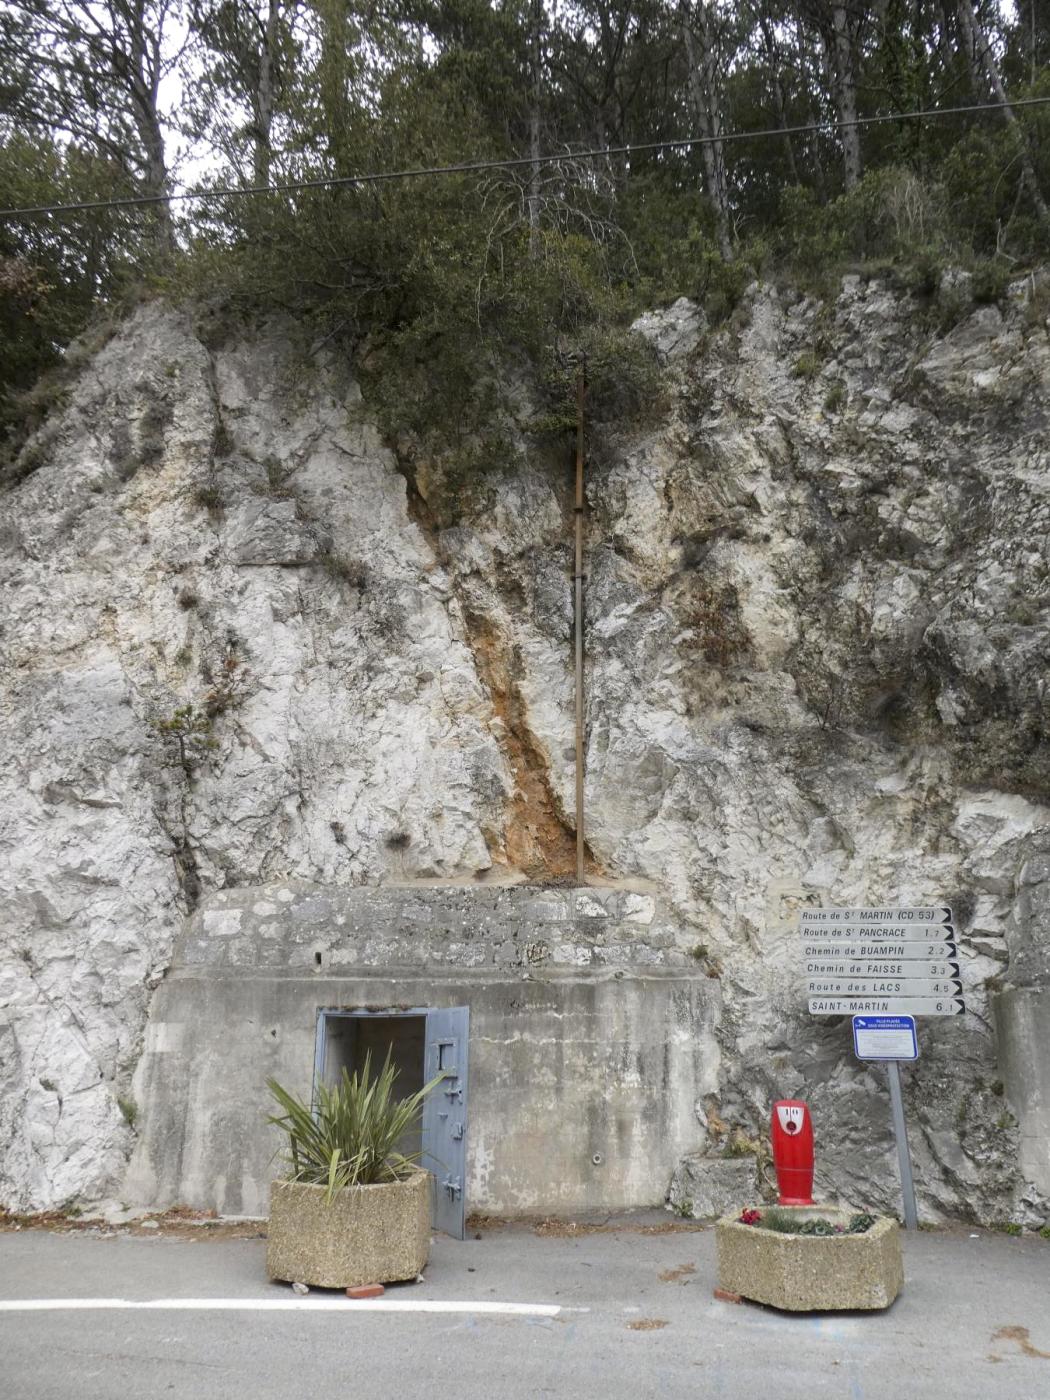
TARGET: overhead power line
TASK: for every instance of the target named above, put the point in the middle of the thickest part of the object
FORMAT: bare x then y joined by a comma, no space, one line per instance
472,167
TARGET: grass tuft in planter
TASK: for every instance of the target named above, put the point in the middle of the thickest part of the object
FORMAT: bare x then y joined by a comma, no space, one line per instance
351,1139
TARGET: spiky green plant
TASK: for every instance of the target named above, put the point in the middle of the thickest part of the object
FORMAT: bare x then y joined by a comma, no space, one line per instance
350,1138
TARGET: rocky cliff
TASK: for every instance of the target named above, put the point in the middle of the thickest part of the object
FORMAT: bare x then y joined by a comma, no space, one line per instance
243,644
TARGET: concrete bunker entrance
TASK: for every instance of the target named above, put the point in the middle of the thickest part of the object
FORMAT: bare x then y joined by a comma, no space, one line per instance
590,1040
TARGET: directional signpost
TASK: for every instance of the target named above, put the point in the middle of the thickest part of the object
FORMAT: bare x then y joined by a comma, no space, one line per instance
881,962
883,967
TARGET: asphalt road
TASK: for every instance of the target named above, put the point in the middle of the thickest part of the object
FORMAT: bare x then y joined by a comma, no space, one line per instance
973,1321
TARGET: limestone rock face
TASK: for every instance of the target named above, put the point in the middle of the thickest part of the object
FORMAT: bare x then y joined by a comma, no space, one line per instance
238,649
229,656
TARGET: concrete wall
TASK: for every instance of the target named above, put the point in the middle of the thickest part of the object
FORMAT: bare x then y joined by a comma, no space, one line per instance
1023,1019
590,1037
1022,1016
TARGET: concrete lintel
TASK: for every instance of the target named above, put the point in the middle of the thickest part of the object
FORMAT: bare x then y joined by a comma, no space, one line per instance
413,974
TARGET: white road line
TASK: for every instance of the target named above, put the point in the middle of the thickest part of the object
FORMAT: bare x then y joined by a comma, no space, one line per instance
320,1303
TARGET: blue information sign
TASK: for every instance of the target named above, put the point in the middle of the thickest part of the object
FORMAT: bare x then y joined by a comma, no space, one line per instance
885,1038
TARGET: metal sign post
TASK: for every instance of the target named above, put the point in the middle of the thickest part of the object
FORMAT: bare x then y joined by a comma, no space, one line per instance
892,1039
900,1132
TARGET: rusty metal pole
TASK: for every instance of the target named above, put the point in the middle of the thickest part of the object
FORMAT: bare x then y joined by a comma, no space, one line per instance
578,579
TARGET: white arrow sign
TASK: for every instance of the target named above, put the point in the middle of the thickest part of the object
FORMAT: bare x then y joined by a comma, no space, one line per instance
881,962
905,931
875,967
873,948
886,1006
873,918
884,986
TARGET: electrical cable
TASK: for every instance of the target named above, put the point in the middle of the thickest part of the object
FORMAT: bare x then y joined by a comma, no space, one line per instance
473,167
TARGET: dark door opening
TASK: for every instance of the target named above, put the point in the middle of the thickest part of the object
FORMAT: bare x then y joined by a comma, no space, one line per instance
422,1043
350,1038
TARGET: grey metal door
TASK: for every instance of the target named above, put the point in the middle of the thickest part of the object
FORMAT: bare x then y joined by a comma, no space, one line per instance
445,1115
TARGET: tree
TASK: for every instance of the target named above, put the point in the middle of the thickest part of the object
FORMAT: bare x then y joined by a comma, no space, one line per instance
443,270
92,71
53,274
244,48
773,59
536,65
843,28
838,26
700,39
986,76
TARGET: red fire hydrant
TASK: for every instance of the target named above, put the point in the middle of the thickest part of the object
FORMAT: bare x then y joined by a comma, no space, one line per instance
793,1152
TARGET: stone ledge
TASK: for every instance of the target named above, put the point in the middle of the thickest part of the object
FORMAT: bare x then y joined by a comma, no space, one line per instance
297,925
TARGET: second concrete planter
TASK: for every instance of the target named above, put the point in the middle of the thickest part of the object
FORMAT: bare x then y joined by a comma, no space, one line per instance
366,1234
811,1273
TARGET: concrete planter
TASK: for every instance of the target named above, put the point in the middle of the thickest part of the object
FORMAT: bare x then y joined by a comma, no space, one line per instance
811,1273
368,1234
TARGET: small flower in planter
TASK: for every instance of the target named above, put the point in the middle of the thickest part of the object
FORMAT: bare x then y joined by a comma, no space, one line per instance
749,1217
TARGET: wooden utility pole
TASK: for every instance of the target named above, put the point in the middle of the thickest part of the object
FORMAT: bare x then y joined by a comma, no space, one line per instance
578,580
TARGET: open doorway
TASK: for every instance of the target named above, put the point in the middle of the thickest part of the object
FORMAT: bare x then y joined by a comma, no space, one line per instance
349,1039
423,1042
